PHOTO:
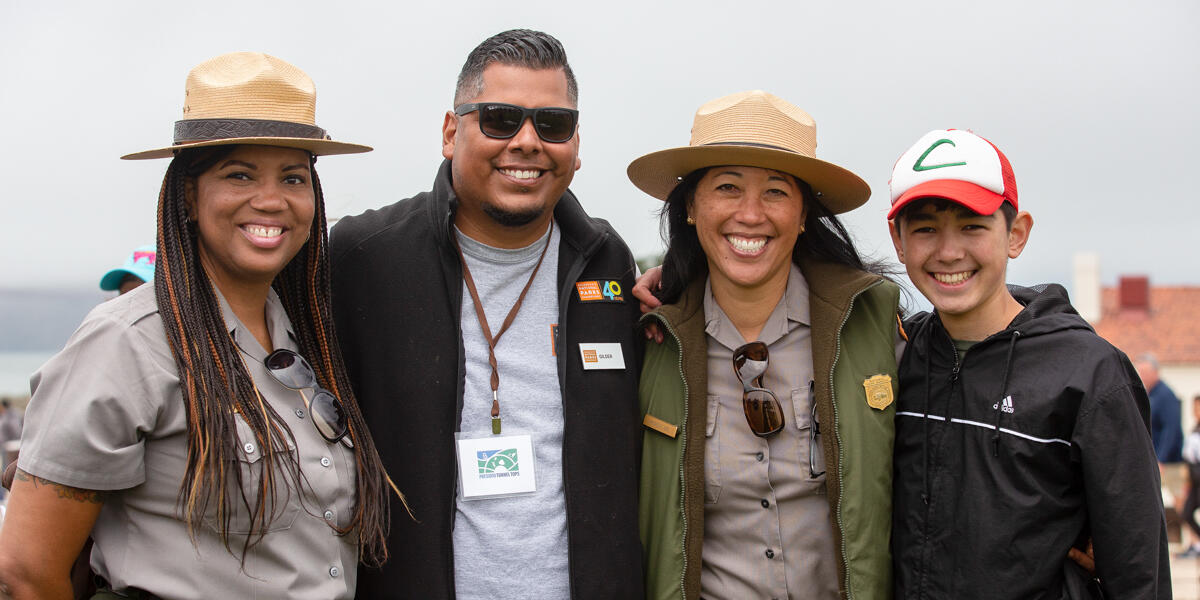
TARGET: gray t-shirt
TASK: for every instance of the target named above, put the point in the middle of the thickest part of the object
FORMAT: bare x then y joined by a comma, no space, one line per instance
107,414
514,547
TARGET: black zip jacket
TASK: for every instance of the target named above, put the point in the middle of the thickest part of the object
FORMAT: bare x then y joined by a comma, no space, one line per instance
1036,439
397,293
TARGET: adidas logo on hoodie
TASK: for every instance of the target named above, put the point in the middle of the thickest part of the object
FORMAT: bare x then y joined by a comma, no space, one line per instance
1004,405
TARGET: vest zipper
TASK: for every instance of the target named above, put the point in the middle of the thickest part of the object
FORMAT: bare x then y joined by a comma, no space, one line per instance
837,351
682,453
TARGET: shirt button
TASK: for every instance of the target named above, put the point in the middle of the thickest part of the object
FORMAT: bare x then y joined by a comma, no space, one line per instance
334,572
766,504
329,515
759,456
770,553
325,462
249,448
300,412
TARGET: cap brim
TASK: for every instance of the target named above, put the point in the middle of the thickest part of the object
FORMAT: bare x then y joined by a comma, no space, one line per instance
970,195
657,173
317,147
112,279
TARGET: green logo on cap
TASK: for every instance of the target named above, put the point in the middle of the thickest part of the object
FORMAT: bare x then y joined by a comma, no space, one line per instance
920,167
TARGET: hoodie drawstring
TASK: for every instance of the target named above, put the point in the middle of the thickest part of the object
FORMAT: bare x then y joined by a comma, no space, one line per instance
1012,344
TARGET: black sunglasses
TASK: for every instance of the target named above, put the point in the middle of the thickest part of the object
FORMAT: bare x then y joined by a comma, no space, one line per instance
502,121
292,371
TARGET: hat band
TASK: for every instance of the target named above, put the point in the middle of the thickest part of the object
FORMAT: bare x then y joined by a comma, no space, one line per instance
753,144
200,130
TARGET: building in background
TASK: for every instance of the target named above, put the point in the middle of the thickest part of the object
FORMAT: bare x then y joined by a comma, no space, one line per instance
1138,318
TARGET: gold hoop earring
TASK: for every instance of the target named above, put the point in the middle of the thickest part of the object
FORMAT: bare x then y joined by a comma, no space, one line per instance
690,220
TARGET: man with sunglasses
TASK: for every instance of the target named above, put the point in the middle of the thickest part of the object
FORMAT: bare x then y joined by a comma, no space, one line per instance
488,335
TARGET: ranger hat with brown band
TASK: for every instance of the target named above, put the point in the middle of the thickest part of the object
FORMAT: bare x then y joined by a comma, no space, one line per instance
249,98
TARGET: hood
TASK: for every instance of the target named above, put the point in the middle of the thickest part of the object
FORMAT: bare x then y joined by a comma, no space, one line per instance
1047,309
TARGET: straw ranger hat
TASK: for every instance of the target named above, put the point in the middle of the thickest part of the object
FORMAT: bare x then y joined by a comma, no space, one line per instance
249,98
753,129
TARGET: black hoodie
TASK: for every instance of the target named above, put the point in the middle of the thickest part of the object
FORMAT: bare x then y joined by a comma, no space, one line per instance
1033,440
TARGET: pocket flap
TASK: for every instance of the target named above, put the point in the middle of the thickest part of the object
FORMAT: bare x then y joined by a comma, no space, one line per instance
802,403
714,406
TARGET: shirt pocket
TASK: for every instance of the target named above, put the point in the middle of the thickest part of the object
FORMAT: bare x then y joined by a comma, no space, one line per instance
802,403
280,507
712,451
812,456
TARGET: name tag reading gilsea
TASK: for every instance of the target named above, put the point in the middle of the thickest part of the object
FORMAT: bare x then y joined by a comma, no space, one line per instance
602,356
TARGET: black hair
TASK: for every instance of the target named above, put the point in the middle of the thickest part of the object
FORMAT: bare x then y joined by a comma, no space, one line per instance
942,204
217,388
517,47
824,238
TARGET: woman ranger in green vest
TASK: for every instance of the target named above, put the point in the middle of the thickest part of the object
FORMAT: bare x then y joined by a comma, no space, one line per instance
766,469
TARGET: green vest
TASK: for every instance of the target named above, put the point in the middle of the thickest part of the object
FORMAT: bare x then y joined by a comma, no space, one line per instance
854,327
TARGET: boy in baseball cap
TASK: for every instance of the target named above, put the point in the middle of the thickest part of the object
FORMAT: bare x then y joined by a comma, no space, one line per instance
1020,433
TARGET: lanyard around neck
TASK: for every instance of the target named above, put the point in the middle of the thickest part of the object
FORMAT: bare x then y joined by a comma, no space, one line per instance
512,315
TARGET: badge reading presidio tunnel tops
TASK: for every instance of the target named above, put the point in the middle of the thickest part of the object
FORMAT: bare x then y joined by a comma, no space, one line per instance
955,164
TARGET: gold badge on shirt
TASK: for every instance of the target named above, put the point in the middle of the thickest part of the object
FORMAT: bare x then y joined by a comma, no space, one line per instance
879,391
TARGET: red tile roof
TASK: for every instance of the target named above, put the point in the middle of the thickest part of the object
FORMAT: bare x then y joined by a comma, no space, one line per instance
1170,329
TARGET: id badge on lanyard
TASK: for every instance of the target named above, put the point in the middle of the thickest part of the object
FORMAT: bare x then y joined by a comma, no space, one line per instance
491,465
495,466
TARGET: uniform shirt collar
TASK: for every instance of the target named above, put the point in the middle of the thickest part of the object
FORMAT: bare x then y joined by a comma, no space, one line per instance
278,325
792,311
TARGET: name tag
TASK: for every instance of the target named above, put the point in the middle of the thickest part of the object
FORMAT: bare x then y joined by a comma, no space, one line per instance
601,356
495,466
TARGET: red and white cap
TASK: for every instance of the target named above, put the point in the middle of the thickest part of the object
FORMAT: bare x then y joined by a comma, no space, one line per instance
957,165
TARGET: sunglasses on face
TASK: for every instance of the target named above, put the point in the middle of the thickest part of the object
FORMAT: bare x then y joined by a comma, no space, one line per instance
502,121
293,372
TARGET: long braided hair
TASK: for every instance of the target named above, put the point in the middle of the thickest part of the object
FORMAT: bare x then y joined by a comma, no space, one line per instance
217,388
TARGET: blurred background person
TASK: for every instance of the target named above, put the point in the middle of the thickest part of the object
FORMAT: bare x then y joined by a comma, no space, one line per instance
1166,433
10,435
1191,457
138,269
1166,430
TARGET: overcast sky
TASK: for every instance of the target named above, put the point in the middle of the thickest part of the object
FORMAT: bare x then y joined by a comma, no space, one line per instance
1095,104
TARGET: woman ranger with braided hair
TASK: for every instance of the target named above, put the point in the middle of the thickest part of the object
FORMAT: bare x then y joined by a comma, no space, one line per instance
202,429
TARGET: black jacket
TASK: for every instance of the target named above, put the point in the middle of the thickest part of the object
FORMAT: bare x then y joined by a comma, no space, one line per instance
397,292
982,512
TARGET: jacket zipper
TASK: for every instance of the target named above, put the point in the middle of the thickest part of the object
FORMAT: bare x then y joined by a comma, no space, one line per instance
564,302
682,453
929,499
837,352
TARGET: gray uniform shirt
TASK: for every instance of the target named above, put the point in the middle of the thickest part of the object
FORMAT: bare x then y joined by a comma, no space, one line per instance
767,532
514,547
107,414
